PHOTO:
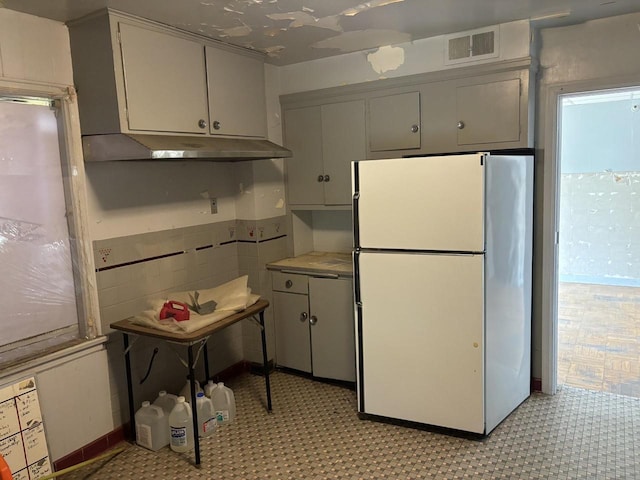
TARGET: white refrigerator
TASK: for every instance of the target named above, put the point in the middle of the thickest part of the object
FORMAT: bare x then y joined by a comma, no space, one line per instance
442,279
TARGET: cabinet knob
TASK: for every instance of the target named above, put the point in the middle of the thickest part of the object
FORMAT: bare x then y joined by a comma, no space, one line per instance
415,128
202,123
304,316
321,178
460,125
217,125
327,178
288,284
313,320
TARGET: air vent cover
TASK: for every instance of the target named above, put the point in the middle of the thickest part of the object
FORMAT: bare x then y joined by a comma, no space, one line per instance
471,46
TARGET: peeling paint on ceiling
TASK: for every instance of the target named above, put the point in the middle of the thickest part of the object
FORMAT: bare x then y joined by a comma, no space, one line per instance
363,7
386,59
300,19
292,31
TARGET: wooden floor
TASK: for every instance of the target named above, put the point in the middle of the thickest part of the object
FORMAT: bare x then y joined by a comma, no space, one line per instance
598,332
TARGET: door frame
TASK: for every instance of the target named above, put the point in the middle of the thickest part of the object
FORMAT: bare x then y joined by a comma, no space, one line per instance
549,122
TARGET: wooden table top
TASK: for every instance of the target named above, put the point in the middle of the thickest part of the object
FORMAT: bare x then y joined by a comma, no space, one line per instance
189,337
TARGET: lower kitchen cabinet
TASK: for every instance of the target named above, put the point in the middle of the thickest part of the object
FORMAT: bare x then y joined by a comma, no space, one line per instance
314,325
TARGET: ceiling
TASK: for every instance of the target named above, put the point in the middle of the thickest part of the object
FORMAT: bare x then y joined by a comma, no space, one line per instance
292,31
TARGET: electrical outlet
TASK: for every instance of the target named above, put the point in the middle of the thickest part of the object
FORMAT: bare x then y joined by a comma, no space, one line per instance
214,205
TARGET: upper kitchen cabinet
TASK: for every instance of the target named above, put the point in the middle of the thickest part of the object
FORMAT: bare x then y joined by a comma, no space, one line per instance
236,94
477,112
324,140
394,122
164,81
134,76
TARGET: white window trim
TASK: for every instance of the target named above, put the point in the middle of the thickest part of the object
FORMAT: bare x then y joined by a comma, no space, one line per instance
70,141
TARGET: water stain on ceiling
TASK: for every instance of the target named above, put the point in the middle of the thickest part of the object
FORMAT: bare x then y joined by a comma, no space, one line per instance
292,31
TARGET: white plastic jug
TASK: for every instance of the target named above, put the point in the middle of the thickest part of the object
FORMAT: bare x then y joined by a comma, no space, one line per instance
151,427
186,391
224,403
166,401
181,427
209,387
207,420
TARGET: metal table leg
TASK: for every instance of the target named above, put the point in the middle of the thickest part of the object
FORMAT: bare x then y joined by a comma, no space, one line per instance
265,362
205,353
192,385
132,413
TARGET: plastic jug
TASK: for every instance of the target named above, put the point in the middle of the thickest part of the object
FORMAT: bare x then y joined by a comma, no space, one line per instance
186,391
207,420
166,401
151,425
208,388
224,403
181,427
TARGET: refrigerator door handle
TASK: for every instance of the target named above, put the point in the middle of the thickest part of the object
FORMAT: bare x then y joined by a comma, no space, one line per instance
356,277
356,220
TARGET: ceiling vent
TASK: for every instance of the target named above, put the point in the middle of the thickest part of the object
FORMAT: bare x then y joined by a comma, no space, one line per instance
472,46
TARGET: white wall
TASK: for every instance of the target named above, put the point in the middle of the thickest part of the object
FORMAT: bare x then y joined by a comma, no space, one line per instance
34,49
128,198
73,391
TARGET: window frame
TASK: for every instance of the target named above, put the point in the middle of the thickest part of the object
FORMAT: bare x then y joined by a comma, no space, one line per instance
17,354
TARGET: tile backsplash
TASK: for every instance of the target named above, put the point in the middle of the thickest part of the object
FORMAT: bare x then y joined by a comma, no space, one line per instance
133,270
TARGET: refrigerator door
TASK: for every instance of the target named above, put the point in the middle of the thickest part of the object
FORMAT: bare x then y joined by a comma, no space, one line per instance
422,203
421,338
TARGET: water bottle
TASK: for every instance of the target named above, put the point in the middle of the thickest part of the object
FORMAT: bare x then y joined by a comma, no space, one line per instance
181,427
224,403
206,415
151,427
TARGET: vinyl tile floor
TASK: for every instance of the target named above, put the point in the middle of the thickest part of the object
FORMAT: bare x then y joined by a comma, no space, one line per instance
599,337
314,433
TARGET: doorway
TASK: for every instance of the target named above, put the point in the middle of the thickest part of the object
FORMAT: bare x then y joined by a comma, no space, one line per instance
598,283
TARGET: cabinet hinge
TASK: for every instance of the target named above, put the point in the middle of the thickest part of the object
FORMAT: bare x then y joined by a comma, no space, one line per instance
119,37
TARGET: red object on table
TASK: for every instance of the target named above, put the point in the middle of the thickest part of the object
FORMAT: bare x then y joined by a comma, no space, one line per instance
5,473
173,309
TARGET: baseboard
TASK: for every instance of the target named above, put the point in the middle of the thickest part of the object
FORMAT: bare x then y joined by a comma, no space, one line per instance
258,368
93,449
536,384
121,434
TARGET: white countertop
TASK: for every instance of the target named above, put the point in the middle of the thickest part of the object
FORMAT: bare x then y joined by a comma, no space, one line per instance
317,262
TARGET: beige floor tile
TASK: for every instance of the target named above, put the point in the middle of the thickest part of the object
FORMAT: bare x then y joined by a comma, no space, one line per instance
314,433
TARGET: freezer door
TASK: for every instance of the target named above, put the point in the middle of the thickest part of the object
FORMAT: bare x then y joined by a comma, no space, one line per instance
423,203
421,338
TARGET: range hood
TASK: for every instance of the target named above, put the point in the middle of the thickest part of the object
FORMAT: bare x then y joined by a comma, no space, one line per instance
120,146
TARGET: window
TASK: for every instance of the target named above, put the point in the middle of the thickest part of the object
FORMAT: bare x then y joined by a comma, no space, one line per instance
41,296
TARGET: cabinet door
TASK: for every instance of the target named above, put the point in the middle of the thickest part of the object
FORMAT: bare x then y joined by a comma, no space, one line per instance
293,347
489,112
305,174
394,122
343,140
332,328
236,94
164,80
